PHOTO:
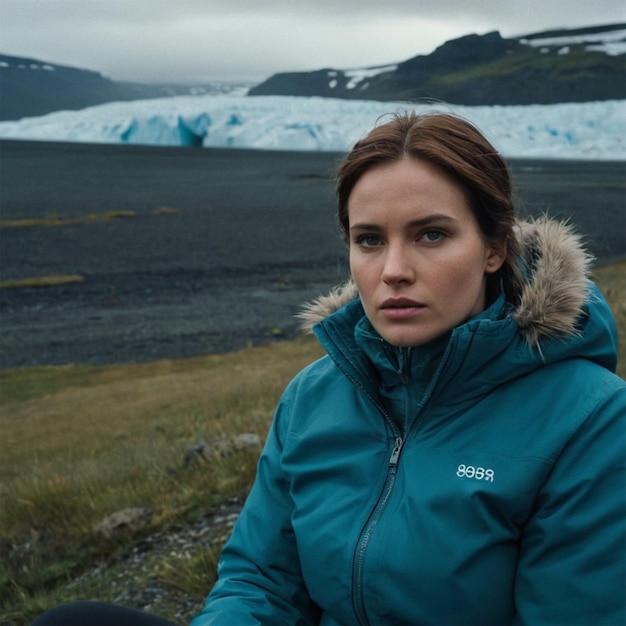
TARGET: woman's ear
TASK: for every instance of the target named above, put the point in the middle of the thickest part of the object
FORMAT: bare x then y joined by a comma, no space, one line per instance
496,255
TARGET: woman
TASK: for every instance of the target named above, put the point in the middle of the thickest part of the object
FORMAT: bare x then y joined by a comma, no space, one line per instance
458,456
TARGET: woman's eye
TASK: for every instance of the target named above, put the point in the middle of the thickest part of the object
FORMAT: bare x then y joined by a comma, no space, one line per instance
432,236
368,241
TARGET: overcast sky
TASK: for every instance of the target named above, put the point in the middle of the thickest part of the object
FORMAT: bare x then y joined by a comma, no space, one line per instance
204,40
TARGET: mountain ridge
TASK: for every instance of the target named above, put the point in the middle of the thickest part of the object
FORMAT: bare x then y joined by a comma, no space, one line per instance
539,68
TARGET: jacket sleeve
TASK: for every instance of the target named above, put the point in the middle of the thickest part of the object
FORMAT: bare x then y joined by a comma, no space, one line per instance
259,575
572,565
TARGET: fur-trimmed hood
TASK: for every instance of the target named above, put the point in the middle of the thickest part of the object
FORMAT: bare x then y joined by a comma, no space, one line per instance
551,300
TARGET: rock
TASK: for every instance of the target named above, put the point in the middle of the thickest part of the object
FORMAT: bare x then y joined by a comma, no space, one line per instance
128,571
195,453
220,446
246,441
131,518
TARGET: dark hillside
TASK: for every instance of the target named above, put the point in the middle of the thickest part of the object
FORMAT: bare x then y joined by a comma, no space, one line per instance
543,68
29,87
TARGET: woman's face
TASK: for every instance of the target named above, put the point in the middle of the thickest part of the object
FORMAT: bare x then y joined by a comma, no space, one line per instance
416,252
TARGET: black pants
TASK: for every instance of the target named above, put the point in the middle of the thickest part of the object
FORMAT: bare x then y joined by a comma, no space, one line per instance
97,614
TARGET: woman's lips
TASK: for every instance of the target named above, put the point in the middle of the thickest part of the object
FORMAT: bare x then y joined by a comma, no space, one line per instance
401,308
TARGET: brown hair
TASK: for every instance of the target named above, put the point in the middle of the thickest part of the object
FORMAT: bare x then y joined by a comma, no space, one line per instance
459,149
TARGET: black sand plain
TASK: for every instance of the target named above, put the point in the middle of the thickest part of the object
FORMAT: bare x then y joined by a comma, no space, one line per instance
221,250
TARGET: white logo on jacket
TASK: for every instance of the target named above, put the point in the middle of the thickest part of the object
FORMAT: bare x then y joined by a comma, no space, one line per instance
478,473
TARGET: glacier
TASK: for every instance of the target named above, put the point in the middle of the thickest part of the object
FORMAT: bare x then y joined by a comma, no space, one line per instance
584,131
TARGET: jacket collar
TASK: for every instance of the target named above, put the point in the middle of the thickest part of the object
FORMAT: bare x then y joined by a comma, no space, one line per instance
558,314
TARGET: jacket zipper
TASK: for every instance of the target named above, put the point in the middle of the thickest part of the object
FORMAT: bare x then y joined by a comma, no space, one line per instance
357,576
364,539
357,570
375,515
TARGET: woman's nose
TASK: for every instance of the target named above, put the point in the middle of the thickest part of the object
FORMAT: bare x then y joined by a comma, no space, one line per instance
397,266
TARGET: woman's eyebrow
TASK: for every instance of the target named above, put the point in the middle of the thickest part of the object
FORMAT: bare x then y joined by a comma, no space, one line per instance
424,221
429,219
364,226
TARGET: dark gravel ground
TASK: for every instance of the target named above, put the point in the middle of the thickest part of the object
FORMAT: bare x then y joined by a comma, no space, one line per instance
253,237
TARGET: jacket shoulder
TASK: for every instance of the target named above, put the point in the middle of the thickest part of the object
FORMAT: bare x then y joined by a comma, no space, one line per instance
574,396
312,375
311,385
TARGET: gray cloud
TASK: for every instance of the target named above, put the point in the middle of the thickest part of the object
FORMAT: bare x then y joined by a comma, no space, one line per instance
203,40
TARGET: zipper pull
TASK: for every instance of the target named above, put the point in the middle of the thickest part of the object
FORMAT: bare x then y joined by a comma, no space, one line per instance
396,451
402,365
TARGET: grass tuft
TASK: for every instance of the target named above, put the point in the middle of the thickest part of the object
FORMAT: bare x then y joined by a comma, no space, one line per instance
611,279
58,221
164,210
41,281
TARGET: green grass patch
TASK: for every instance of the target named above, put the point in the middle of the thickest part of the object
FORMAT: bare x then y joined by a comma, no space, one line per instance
33,382
532,59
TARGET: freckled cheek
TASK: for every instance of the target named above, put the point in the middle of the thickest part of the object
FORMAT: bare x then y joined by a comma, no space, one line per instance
456,281
366,278
364,270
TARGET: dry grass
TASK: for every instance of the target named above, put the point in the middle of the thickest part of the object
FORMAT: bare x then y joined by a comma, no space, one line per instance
612,281
59,221
165,210
81,442
55,221
73,420
41,281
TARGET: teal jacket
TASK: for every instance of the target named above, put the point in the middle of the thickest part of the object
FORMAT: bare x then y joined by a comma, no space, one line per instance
477,480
